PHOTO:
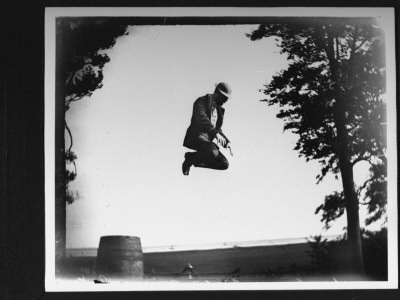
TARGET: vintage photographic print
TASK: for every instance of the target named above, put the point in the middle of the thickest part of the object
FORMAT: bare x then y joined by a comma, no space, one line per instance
220,148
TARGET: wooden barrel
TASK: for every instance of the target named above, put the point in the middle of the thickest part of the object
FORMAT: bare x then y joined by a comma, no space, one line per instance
120,257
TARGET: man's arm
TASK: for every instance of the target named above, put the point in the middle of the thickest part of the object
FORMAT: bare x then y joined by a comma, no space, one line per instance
223,140
224,136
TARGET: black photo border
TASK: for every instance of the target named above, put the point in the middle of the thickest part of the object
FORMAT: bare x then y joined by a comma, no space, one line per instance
22,219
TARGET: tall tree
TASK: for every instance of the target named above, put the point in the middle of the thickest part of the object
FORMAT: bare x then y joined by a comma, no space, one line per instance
79,72
331,96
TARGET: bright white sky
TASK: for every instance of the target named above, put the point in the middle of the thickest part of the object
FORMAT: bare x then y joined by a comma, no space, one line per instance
128,138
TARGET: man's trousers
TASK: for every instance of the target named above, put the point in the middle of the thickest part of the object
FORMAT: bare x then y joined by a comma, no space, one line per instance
208,155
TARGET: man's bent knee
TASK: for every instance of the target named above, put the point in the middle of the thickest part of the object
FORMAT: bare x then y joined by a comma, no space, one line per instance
225,164
214,153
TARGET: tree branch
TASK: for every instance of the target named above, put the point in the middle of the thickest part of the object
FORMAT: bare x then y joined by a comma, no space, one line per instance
76,170
359,46
353,46
364,185
337,47
321,30
372,178
73,99
361,158
70,147
364,203
70,135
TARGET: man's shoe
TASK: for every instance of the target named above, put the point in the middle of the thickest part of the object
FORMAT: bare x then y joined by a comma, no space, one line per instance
188,155
186,167
186,164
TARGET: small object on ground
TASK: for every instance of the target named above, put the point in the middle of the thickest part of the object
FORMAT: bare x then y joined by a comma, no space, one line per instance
189,270
233,276
101,280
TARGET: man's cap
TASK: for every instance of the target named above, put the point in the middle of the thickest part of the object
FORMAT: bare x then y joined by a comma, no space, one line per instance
224,88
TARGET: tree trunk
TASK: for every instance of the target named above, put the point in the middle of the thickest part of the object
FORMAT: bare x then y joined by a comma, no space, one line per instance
355,257
60,192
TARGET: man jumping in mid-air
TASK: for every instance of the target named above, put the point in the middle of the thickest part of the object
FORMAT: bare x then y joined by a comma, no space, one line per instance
205,126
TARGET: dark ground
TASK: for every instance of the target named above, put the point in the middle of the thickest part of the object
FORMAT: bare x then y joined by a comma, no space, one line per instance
278,263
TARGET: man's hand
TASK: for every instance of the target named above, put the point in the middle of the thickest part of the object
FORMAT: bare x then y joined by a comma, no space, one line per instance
221,140
230,148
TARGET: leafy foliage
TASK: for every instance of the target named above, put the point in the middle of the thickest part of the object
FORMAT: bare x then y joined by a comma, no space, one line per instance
70,158
375,248
310,97
376,192
319,252
82,40
332,208
327,256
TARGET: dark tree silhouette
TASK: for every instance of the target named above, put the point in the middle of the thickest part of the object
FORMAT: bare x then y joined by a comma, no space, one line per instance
79,72
331,96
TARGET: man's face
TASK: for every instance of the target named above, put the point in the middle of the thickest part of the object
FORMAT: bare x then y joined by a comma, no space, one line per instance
220,99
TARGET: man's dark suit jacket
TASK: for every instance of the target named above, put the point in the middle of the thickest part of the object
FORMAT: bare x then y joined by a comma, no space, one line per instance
200,124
